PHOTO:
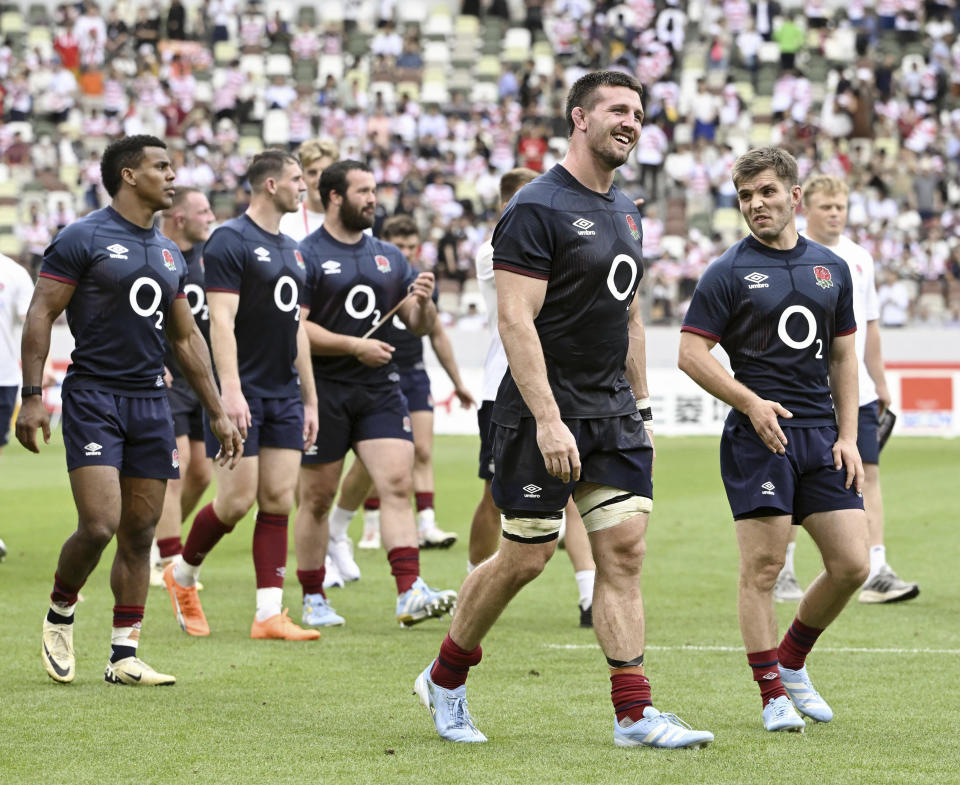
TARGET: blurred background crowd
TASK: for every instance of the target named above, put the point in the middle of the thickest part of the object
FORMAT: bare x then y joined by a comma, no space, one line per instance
441,98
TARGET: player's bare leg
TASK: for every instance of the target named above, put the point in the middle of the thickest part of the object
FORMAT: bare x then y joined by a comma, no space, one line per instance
484,530
311,534
762,543
581,557
196,478
390,463
492,585
429,534
841,536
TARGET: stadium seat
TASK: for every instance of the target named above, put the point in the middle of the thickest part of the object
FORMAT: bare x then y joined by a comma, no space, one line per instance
253,65
9,217
412,12
436,53
387,90
439,25
330,65
760,134
484,92
279,65
434,92
39,37
466,26
411,89
224,52
727,218
672,245
487,68
769,52
276,128
37,15
11,23
307,14
8,188
10,245
330,13
517,37
249,146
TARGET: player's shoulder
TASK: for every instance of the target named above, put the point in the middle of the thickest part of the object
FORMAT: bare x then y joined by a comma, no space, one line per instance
83,229
854,252
378,246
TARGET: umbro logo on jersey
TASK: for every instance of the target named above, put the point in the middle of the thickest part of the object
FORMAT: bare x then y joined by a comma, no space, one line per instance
263,255
583,227
159,382
92,448
117,251
768,488
331,267
532,491
757,281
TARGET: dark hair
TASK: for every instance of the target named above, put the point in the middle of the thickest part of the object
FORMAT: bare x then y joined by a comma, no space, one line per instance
125,153
514,180
399,226
758,160
334,178
583,91
269,163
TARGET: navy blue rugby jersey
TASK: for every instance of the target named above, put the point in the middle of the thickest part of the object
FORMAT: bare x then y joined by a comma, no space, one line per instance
268,273
350,288
408,345
126,279
197,299
776,313
588,247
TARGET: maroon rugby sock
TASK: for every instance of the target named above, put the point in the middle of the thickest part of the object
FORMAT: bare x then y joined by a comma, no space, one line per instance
312,581
630,693
766,674
270,550
405,567
796,644
453,664
206,532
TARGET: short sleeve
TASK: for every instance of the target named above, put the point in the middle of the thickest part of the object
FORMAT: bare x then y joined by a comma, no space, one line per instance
844,320
711,305
522,243
67,257
223,261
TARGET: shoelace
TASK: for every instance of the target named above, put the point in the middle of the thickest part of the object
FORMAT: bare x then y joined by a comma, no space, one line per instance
461,714
675,720
780,709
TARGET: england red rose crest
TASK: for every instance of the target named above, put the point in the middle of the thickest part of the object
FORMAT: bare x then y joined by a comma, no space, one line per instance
824,281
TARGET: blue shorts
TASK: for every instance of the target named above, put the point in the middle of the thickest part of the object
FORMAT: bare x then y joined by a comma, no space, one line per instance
8,399
867,441
614,451
275,422
351,413
760,483
109,429
484,413
415,386
186,410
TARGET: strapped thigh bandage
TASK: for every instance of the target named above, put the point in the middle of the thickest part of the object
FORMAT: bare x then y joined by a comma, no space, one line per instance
604,507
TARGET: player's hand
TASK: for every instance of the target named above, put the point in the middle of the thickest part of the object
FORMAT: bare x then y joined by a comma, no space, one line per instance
559,450
763,416
422,287
231,443
311,425
846,455
167,377
33,415
373,353
237,409
465,398
883,399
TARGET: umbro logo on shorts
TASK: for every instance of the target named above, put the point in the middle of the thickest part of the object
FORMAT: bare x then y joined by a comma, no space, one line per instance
583,225
757,280
92,448
532,491
768,488
263,255
117,251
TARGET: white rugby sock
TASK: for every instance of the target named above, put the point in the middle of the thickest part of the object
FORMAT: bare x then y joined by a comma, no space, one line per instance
584,580
269,602
185,574
788,562
878,557
340,522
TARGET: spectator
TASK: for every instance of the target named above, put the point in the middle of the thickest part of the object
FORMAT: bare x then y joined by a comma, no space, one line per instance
894,301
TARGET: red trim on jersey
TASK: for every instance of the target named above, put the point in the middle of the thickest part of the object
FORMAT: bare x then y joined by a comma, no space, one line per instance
698,331
181,295
851,331
922,366
521,271
228,291
59,278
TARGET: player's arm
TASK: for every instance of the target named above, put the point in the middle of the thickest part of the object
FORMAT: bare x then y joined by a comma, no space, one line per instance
418,311
845,389
699,364
325,343
308,387
50,297
519,299
442,347
636,369
873,358
193,358
223,344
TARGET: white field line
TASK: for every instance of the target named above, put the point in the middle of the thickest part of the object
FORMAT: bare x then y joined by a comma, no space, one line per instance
739,649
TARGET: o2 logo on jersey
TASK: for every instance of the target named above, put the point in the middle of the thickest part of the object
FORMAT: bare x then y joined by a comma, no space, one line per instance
619,259
197,301
822,274
632,226
383,263
299,257
285,296
147,283
811,335
168,260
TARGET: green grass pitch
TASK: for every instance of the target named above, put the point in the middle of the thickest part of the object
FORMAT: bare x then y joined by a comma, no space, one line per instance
341,710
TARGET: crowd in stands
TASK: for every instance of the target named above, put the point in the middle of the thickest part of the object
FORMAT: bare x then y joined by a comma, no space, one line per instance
441,98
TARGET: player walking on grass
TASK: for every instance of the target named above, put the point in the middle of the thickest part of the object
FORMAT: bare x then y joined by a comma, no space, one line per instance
355,280
122,285
569,413
782,308
255,286
825,206
187,223
401,230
